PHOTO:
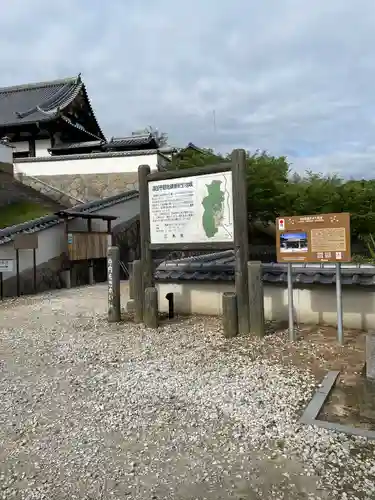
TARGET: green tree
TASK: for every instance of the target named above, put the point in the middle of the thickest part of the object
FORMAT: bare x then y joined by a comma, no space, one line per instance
195,157
273,190
267,177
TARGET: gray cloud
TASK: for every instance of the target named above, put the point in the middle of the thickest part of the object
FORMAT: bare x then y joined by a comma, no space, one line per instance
290,77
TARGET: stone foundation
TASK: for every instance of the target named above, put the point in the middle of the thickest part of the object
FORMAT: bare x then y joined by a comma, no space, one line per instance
85,187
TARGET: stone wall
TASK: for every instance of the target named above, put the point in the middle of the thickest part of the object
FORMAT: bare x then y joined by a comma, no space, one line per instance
13,191
85,187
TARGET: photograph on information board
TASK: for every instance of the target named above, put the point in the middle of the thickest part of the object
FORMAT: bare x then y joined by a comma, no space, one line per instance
313,238
293,242
196,209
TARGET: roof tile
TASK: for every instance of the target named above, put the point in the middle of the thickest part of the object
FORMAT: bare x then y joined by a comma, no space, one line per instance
35,225
36,102
219,266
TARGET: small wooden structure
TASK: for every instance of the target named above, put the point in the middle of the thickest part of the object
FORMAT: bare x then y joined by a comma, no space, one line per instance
87,245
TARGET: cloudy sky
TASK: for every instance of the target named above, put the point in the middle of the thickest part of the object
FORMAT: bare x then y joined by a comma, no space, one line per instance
289,76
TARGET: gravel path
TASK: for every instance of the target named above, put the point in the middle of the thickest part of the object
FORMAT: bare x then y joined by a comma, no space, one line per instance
96,411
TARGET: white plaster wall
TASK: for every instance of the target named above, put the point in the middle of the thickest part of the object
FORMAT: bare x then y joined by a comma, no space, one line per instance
124,211
312,305
41,147
6,154
98,165
51,243
21,146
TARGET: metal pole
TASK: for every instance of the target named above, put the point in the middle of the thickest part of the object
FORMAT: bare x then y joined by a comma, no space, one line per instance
1,286
292,334
340,331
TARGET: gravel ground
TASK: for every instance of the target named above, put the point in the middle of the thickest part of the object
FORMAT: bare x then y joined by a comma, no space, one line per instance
96,411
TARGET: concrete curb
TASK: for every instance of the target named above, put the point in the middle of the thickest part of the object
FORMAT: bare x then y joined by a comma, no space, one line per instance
315,406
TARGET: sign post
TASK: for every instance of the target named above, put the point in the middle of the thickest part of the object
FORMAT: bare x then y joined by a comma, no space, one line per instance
197,209
314,238
6,266
340,329
114,291
292,332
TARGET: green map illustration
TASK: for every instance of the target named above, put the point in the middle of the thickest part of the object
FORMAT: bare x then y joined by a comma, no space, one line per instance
213,205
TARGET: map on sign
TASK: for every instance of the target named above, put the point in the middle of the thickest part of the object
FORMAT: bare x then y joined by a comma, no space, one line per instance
196,209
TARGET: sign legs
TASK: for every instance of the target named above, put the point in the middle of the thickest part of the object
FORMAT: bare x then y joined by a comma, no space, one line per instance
340,329
292,332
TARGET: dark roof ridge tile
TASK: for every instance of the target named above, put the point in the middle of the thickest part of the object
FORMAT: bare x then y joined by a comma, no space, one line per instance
36,85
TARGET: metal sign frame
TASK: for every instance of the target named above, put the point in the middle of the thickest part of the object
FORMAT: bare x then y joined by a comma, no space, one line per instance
314,238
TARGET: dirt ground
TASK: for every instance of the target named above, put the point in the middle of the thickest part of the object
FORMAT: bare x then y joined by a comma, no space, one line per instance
317,349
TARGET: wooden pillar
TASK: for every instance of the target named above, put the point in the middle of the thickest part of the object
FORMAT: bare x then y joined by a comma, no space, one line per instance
230,315
241,244
137,291
114,297
256,298
151,314
144,217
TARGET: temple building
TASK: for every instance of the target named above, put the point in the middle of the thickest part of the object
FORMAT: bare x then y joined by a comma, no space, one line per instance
37,117
58,143
56,118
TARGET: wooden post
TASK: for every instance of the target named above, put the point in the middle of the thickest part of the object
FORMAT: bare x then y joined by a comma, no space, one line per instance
137,291
241,243
256,298
131,281
18,272
66,274
230,314
114,298
150,313
91,272
144,219
34,271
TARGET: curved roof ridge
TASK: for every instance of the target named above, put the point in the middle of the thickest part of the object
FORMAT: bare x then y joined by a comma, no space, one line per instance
62,98
92,111
25,86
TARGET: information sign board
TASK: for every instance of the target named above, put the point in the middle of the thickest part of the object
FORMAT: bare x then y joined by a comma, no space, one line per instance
313,238
194,209
6,265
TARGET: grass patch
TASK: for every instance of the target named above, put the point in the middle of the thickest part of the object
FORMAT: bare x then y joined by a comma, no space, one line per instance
16,213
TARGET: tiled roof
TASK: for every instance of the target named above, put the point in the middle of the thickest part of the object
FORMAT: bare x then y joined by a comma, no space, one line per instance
219,266
73,145
36,102
78,145
133,141
35,225
106,154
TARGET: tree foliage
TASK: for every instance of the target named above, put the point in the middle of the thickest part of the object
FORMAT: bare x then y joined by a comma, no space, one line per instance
273,190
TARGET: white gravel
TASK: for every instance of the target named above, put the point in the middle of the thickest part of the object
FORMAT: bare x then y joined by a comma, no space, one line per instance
90,410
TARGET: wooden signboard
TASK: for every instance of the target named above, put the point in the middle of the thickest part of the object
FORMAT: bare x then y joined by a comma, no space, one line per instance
86,246
26,241
313,238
